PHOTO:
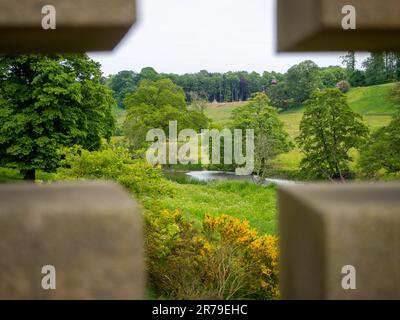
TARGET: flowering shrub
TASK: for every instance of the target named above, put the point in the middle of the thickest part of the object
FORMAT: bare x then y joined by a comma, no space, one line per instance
225,259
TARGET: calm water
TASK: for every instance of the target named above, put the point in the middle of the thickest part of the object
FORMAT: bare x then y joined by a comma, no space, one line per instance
224,176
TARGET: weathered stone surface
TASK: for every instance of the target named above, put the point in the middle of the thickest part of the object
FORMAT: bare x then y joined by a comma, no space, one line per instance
326,227
90,232
82,25
316,25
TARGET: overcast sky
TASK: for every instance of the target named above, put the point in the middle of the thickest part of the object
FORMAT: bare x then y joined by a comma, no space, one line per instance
186,36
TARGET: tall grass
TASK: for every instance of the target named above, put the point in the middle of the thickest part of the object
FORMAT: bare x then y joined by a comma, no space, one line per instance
240,199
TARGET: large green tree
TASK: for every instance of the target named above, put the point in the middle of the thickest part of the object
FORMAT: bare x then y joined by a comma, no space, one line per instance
48,102
349,60
270,138
382,152
121,84
328,130
153,106
302,80
375,69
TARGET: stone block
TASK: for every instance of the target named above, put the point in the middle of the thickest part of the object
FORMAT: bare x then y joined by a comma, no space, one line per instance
316,25
81,25
324,228
90,232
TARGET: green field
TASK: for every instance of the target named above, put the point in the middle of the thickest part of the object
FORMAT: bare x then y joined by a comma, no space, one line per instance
242,200
220,113
371,102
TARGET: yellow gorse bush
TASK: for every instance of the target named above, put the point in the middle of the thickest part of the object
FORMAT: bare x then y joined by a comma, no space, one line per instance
262,251
225,259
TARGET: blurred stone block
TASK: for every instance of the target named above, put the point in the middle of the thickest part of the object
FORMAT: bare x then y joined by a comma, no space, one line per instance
90,232
326,227
81,25
316,25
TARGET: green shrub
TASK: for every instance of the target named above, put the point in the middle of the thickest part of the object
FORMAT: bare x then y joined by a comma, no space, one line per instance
225,259
8,174
380,156
115,164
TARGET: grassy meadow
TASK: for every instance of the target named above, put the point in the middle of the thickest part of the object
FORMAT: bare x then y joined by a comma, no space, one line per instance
258,204
245,200
373,103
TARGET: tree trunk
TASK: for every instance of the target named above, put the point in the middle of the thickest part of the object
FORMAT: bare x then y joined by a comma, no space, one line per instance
30,175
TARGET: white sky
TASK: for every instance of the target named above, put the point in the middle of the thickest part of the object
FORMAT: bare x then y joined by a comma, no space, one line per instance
186,36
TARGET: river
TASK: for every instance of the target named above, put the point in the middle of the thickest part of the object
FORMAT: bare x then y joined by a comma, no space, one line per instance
226,176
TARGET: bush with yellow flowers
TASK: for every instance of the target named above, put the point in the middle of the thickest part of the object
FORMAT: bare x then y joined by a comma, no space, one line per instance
225,259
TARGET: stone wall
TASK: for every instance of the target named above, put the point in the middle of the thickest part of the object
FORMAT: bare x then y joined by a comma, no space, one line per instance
91,233
327,229
81,25
316,25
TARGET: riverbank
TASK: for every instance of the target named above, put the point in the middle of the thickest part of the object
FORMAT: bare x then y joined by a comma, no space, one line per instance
240,199
204,176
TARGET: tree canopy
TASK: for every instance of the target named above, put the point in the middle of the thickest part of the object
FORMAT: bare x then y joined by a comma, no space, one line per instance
382,151
154,105
48,102
302,79
328,130
286,90
270,137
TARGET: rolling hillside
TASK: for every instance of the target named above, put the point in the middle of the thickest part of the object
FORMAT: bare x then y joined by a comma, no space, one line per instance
221,112
371,102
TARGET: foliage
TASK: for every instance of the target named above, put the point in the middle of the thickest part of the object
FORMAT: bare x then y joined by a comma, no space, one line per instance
270,137
280,96
328,130
349,60
285,90
382,68
48,102
357,78
9,175
302,80
116,164
225,259
332,75
374,103
375,69
382,152
153,106
198,103
123,83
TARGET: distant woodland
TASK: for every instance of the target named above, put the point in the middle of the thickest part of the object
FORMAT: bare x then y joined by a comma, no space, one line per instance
285,91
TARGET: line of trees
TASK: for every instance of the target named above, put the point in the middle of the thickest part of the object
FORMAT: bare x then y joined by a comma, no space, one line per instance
285,90
378,68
